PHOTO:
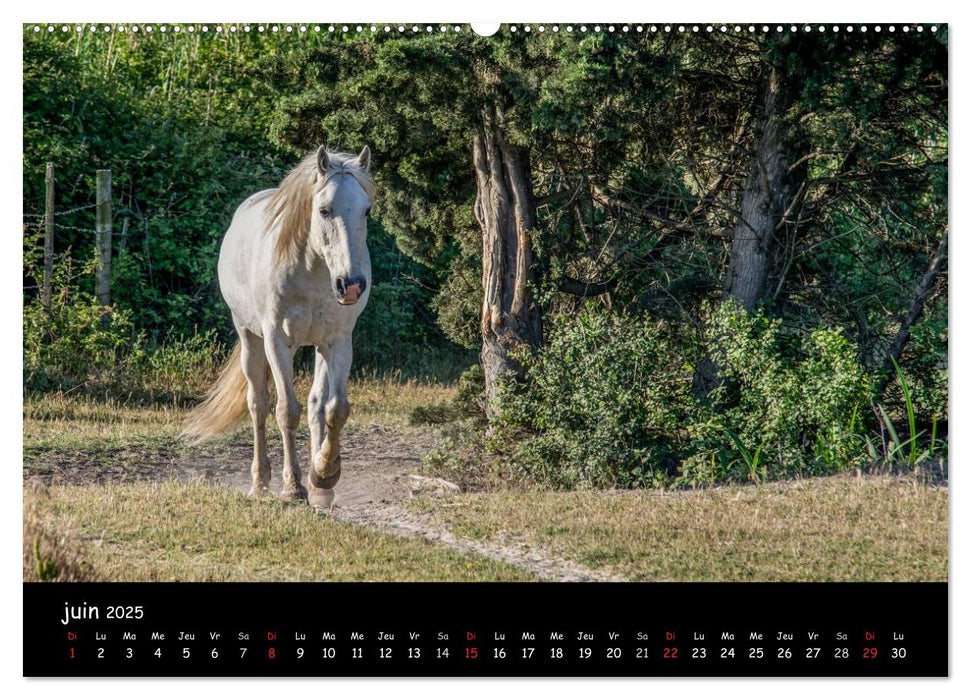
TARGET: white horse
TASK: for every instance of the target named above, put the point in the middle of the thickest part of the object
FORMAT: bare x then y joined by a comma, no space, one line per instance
294,269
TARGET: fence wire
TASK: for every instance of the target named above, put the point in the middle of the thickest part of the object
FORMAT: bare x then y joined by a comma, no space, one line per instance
40,218
62,213
38,221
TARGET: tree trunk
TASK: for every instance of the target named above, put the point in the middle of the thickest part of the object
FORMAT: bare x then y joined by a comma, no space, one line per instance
771,193
506,213
768,198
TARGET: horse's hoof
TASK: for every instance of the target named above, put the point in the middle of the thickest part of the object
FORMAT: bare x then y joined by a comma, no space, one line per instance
326,482
321,499
331,481
259,492
294,493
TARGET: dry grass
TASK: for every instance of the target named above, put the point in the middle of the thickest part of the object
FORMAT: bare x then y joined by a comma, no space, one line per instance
829,529
49,556
387,400
59,421
193,532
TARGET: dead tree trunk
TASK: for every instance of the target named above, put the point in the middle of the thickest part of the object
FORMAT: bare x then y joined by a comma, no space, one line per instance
506,213
769,197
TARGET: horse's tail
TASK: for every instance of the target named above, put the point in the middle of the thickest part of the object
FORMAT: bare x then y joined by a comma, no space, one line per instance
224,405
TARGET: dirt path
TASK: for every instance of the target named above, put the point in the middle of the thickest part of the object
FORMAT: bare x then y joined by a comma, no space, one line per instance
374,489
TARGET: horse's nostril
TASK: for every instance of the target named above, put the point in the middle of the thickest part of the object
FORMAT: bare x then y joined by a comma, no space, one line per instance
341,286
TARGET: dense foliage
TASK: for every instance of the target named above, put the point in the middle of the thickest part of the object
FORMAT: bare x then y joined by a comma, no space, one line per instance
609,403
182,123
606,404
642,151
178,123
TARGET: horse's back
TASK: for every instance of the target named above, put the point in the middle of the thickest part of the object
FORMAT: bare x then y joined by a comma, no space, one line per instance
261,197
242,259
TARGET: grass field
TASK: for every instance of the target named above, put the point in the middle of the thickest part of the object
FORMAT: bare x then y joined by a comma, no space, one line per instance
839,528
105,500
60,421
194,532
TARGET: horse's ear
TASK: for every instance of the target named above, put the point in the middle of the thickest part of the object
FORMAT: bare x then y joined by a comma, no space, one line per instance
323,160
364,159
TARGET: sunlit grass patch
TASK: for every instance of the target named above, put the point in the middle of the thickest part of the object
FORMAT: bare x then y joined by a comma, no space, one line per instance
825,529
64,421
392,400
193,532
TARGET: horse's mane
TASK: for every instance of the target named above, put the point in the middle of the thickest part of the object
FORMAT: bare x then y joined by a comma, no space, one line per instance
292,203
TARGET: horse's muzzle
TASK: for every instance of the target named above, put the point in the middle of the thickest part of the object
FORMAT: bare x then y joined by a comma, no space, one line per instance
349,291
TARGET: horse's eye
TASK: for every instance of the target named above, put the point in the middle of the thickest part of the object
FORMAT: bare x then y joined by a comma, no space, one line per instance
325,211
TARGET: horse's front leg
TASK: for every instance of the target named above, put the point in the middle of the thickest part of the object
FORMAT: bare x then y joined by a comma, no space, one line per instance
280,356
319,497
332,383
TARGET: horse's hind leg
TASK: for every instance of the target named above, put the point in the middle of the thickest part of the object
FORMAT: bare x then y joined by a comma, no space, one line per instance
258,400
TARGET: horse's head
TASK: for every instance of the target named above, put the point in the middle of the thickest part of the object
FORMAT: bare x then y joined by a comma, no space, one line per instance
338,232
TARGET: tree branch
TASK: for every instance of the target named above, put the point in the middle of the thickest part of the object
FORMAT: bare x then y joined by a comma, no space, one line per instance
552,198
579,288
921,294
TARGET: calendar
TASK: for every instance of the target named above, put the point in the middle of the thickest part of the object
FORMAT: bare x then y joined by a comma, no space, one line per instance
532,349
487,630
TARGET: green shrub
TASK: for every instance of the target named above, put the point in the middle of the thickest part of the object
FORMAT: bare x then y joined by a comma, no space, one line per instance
609,403
468,402
84,344
785,404
397,333
179,370
604,405
78,341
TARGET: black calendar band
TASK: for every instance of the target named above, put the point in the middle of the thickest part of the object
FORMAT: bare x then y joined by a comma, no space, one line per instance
486,629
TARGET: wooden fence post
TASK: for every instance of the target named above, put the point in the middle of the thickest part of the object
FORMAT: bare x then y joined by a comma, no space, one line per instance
103,238
45,293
